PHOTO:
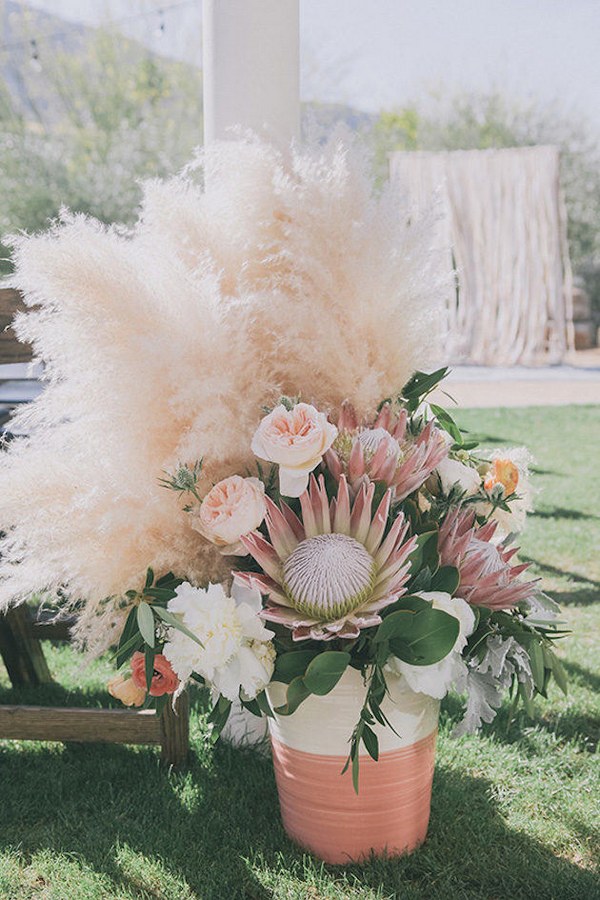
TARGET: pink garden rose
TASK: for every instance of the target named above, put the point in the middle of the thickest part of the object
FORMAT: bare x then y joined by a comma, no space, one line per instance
233,508
164,679
296,439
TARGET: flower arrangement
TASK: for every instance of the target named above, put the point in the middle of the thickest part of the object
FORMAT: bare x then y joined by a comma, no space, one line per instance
383,544
344,557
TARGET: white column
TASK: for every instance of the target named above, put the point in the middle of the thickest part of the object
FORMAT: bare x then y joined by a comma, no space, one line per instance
251,70
251,67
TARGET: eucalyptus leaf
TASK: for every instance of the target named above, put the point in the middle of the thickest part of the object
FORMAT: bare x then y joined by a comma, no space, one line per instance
536,660
219,715
355,765
289,665
395,624
149,578
420,384
135,642
163,593
325,670
263,704
446,579
296,693
176,622
425,552
252,706
129,628
369,739
560,676
447,422
145,621
149,668
527,701
427,636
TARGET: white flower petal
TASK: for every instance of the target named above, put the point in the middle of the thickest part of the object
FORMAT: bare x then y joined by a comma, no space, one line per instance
452,472
243,593
293,482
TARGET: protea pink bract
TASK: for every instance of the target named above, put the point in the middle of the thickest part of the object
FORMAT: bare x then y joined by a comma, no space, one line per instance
384,452
331,572
486,576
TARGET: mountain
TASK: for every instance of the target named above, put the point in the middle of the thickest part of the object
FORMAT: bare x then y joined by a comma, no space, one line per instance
33,85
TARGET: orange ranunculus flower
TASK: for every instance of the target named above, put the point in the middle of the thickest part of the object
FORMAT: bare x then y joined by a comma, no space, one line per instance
504,472
164,679
125,689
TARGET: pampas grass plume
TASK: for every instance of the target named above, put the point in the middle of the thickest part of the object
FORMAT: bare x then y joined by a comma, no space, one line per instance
283,275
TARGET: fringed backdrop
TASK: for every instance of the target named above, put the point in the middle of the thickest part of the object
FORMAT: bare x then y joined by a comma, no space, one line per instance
503,226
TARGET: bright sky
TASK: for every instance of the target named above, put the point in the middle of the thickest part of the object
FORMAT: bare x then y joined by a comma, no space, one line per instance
381,53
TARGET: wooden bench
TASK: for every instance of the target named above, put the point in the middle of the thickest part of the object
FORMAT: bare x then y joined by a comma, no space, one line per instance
17,383
21,631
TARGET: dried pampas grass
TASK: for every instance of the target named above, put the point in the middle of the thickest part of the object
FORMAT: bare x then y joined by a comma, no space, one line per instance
282,275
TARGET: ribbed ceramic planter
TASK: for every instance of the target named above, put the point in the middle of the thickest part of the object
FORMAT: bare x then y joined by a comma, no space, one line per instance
319,808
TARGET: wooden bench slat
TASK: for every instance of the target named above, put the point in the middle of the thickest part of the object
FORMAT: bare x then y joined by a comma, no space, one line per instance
11,350
60,723
51,631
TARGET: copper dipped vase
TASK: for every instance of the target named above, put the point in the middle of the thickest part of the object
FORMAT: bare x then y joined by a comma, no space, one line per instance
319,807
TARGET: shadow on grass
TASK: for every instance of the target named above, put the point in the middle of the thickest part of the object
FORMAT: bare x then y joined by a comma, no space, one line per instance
584,676
472,852
55,694
559,512
583,596
581,729
488,438
214,828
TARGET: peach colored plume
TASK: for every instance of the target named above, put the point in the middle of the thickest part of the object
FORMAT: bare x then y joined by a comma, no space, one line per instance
161,345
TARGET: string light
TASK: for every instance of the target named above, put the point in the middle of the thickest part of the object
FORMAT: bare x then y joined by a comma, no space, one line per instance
29,42
161,27
34,60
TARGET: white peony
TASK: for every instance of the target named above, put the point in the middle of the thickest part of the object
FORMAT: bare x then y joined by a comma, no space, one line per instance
452,472
236,650
437,679
296,440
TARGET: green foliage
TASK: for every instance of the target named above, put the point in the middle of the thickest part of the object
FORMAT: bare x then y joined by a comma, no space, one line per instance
99,118
184,479
320,674
420,385
325,670
218,717
417,633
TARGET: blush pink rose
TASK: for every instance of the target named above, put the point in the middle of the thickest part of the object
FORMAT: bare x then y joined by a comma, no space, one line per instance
233,508
164,679
296,440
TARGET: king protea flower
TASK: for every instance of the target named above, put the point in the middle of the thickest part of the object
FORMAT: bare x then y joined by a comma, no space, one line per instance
330,573
384,452
486,576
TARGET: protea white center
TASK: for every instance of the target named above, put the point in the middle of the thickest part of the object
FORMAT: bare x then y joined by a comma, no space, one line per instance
487,553
330,573
371,439
328,576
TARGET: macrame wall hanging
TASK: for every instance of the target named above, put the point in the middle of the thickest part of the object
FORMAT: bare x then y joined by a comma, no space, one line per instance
503,227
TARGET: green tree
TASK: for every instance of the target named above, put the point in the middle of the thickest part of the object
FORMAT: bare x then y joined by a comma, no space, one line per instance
97,119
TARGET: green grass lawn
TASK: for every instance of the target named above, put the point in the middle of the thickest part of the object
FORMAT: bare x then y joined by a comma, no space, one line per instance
515,811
